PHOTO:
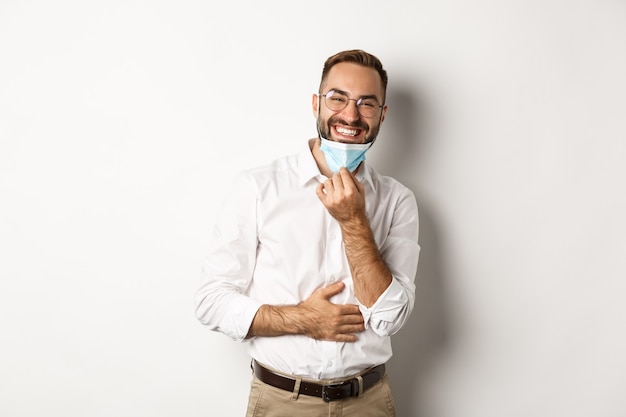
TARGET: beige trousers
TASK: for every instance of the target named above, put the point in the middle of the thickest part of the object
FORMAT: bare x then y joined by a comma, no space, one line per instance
268,401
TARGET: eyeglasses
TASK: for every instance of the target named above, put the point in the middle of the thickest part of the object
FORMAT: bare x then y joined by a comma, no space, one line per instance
337,101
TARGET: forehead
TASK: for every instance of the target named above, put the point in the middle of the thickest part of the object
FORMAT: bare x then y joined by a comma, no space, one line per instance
354,79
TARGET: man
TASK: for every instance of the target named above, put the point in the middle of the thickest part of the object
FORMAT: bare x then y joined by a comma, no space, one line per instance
313,260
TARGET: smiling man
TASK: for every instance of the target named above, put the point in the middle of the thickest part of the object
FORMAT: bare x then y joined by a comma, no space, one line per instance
313,259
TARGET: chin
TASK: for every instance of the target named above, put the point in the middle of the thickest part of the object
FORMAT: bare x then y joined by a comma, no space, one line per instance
356,140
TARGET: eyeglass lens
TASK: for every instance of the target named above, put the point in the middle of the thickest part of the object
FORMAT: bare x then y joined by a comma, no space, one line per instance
336,101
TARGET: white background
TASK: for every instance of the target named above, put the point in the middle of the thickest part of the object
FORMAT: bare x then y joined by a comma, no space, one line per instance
122,123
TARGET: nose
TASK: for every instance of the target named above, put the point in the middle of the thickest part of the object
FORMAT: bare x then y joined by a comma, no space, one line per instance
351,112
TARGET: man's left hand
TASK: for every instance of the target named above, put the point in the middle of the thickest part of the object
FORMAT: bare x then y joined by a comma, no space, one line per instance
342,195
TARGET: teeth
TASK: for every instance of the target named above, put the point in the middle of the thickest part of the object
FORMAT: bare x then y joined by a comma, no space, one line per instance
348,132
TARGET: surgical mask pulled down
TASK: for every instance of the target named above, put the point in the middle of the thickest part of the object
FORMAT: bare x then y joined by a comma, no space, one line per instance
348,155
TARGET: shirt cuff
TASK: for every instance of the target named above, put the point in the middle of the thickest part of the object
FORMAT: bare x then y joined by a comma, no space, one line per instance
385,310
242,312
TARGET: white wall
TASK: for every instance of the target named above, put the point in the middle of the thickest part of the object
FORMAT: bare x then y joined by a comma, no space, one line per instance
123,122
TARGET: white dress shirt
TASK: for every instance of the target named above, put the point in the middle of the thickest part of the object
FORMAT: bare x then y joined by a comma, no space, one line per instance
275,243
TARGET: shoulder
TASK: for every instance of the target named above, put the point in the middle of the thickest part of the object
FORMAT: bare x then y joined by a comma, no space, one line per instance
390,186
273,174
271,169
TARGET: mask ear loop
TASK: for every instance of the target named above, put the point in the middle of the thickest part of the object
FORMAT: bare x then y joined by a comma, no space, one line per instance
317,119
380,120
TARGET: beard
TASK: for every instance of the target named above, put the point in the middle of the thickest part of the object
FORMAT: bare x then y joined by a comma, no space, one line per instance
323,127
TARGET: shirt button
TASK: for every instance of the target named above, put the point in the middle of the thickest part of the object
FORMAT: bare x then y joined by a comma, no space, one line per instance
329,364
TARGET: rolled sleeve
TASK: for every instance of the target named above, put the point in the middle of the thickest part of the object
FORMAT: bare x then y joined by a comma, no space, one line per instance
400,252
391,310
221,301
234,314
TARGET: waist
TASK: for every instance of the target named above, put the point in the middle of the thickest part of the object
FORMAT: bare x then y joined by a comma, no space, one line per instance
328,390
319,359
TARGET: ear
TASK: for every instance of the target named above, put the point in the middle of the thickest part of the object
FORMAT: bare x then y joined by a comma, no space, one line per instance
315,104
382,117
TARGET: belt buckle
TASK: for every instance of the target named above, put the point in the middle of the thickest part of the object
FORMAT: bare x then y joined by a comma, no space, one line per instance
334,396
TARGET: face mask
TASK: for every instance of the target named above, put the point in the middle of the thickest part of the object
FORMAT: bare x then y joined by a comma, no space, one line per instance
348,155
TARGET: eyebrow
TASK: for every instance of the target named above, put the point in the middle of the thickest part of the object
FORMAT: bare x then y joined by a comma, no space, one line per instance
360,98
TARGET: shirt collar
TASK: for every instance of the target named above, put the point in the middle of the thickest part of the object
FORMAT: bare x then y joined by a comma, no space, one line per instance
308,170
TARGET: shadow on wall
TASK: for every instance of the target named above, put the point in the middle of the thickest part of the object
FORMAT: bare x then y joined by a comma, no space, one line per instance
420,344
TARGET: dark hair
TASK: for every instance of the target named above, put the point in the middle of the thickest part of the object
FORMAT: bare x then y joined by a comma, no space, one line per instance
356,56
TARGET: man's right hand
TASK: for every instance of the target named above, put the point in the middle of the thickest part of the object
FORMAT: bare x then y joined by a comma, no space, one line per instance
327,321
315,317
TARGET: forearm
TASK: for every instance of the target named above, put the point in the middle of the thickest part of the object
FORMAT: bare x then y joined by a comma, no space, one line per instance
315,317
370,275
273,320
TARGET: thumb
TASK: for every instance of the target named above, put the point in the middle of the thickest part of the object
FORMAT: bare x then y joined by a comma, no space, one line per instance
332,289
321,192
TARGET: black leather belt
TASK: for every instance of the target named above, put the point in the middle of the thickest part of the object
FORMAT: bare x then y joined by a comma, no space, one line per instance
329,392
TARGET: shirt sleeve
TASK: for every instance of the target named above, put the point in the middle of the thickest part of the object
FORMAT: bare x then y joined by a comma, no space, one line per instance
221,303
400,252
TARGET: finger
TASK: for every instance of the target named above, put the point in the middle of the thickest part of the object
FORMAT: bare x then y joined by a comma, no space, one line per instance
321,192
349,179
352,329
332,289
352,320
350,310
329,185
337,178
346,175
346,338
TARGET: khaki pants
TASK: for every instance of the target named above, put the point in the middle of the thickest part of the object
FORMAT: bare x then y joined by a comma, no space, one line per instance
268,401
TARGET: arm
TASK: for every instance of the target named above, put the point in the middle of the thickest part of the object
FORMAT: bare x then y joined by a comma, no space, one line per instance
221,300
344,197
383,275
315,317
371,275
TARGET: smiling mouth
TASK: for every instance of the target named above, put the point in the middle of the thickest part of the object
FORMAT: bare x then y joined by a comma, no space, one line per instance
347,131
344,131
